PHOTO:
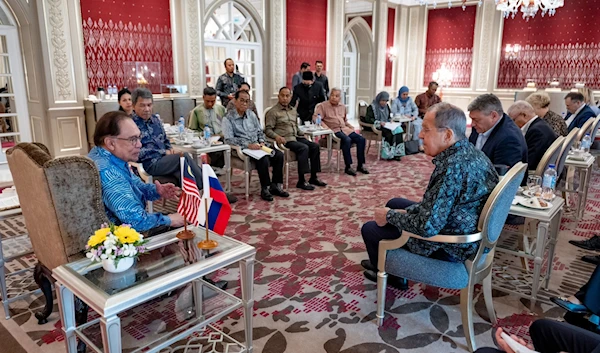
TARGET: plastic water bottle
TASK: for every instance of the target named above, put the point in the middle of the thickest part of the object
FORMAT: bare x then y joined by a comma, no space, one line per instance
181,126
318,122
207,133
111,91
549,183
586,143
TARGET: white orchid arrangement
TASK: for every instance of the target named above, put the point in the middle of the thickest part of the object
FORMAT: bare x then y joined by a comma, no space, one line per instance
113,242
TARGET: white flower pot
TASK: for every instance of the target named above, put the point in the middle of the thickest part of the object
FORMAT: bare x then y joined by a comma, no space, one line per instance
123,265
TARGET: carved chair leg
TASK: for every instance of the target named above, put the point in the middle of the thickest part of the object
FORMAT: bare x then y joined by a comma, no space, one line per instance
41,278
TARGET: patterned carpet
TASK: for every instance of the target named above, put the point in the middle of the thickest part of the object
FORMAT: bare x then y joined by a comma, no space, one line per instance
309,289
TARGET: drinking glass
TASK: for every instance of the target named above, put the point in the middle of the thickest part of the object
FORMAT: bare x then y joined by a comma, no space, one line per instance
534,183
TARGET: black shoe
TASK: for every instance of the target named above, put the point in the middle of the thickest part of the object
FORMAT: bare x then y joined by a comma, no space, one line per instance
589,244
219,284
266,195
594,260
231,198
367,265
350,171
317,182
362,169
393,281
304,186
277,190
398,158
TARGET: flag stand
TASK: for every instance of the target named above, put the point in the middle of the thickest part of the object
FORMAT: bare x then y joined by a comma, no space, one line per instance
207,244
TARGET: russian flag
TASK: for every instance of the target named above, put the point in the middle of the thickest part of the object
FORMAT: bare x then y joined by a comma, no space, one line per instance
219,209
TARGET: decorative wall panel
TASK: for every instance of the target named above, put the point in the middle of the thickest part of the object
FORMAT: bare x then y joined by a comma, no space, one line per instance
126,31
391,25
306,34
565,46
450,34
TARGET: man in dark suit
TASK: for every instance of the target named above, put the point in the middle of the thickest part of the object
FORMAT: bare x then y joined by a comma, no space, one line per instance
308,94
579,112
495,134
538,134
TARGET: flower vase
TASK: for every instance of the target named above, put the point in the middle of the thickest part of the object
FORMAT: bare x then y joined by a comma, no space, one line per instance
123,265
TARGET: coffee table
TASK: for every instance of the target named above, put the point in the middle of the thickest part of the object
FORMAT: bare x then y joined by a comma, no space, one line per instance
154,278
311,134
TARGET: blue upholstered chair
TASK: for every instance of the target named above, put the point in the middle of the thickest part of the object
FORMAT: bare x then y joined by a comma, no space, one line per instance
463,276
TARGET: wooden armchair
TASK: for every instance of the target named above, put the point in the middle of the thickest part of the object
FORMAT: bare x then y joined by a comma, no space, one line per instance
61,200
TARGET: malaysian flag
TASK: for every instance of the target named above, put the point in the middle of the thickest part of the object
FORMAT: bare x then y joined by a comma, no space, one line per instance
190,201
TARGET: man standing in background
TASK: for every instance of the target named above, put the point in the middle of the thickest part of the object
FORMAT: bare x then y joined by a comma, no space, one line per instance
297,79
321,78
228,83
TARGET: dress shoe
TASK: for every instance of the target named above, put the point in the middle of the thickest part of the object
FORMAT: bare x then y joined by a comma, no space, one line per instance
350,171
362,169
594,260
567,305
304,186
222,285
589,244
317,182
397,158
266,195
367,265
277,190
231,198
392,281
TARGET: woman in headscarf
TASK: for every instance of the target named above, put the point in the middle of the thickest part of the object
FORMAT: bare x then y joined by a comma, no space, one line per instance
378,114
404,105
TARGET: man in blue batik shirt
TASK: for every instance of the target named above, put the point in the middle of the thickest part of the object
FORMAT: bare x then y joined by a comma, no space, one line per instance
458,188
117,140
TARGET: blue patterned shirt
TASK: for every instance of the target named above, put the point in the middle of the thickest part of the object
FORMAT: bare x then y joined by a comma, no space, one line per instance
242,130
459,186
154,140
124,194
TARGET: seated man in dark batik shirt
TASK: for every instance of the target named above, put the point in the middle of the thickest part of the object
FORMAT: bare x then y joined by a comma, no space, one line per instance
458,188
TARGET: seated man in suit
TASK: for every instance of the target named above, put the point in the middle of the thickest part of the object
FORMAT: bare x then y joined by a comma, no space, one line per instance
281,124
242,128
458,189
495,134
334,118
579,112
118,141
538,134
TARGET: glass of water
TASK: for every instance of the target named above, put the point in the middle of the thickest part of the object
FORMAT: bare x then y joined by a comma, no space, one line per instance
534,183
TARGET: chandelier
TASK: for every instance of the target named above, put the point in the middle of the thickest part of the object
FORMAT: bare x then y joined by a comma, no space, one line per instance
510,8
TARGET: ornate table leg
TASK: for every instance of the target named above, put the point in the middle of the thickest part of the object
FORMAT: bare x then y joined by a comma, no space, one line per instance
542,235
66,302
554,230
247,283
111,334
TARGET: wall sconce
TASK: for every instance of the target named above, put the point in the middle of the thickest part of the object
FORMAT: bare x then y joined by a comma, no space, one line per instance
511,52
392,53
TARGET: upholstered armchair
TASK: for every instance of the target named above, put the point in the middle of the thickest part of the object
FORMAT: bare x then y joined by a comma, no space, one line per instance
402,263
61,200
368,131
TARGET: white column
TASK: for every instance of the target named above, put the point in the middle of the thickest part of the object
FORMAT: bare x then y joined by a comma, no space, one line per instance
486,47
65,75
335,41
188,45
276,21
417,40
400,42
380,19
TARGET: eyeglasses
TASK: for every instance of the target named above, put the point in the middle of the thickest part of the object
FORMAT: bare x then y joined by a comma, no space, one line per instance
133,140
243,101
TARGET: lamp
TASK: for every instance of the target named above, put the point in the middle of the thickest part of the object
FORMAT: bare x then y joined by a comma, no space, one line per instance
392,53
443,76
529,8
511,52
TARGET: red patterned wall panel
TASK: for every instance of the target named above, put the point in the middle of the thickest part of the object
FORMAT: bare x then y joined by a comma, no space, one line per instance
306,34
120,31
391,25
450,34
565,46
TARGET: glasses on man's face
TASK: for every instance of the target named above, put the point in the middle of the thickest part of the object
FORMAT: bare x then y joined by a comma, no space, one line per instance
133,140
243,101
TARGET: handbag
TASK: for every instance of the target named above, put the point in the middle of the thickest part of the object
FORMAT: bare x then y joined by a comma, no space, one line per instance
411,147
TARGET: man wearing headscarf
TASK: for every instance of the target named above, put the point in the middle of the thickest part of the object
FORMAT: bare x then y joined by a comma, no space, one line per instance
307,94
378,114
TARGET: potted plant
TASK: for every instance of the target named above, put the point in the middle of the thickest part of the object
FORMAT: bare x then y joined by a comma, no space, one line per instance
115,246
